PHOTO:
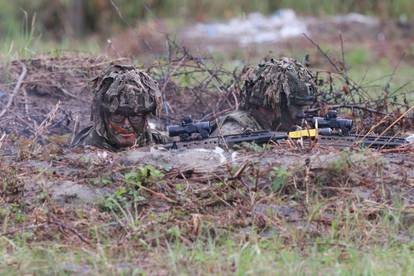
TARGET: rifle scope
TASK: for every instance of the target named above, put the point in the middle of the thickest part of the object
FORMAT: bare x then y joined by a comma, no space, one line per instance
331,121
188,127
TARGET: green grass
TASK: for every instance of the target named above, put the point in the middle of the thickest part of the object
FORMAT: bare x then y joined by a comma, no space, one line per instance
258,256
353,244
337,233
375,77
270,257
22,47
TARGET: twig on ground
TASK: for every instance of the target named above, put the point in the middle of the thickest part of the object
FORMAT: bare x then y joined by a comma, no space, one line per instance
160,195
2,138
67,93
26,102
70,229
41,129
75,128
240,170
16,89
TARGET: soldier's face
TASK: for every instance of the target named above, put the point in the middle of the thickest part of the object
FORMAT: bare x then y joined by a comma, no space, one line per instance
300,101
296,112
123,131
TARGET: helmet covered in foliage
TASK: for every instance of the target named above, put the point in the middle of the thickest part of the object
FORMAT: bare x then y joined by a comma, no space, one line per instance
278,81
125,90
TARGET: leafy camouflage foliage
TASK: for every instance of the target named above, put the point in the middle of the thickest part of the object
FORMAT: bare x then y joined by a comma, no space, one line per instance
126,87
265,83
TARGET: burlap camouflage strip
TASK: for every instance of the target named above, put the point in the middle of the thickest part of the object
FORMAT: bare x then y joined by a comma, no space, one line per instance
111,92
125,89
265,82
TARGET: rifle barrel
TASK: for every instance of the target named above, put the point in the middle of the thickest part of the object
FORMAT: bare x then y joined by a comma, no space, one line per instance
262,137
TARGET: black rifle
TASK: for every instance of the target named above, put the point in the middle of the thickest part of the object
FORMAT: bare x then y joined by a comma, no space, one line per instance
186,129
330,126
378,142
330,120
259,137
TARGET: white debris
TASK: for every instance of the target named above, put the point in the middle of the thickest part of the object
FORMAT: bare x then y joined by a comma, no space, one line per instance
356,18
410,139
102,157
254,28
102,154
152,125
234,156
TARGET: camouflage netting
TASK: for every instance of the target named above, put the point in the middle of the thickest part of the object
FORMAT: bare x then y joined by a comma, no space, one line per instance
123,87
265,83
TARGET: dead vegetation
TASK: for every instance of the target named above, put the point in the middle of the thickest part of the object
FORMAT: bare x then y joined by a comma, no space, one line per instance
102,202
42,83
351,197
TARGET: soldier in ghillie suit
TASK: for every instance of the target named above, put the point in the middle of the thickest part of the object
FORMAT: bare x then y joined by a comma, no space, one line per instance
274,97
123,99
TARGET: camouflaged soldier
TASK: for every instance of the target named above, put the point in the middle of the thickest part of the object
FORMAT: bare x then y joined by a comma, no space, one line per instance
274,97
123,99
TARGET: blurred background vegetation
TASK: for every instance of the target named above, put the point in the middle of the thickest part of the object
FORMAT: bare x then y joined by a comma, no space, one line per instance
59,19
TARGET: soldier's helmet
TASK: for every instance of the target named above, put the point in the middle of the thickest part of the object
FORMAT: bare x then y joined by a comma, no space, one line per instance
275,81
126,90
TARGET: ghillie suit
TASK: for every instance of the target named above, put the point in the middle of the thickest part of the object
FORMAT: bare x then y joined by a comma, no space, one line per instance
123,98
274,96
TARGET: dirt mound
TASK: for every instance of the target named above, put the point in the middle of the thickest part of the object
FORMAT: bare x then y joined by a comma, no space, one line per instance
204,193
59,84
141,199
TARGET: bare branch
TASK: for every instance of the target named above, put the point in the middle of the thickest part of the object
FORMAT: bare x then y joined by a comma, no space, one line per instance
16,89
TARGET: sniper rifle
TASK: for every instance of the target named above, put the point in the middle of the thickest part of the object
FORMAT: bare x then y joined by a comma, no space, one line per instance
196,134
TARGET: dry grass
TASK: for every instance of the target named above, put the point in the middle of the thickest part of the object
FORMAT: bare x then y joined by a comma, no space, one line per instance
287,210
330,213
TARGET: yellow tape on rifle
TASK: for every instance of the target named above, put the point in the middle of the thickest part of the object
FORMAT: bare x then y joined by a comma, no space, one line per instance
302,133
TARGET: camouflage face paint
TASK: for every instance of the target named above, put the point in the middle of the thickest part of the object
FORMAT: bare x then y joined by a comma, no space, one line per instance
123,92
123,131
